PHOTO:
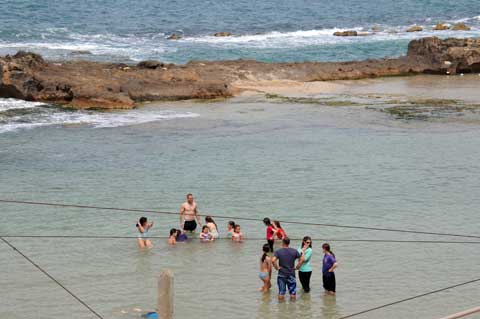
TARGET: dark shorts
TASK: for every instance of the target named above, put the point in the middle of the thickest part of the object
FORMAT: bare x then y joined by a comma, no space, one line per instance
287,282
270,244
329,283
190,225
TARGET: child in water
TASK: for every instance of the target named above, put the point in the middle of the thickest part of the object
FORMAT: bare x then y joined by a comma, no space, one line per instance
212,226
265,269
143,227
205,235
281,234
230,228
329,265
237,234
172,239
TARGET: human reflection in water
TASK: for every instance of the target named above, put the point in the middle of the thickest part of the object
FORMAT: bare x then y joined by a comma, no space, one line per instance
329,308
305,306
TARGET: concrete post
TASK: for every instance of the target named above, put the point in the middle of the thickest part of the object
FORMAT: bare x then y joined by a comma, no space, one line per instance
165,295
463,313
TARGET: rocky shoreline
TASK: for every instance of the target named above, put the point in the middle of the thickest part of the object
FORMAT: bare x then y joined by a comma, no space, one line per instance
87,85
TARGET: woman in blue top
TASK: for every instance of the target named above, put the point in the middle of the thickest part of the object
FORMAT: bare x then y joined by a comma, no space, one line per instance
329,265
305,271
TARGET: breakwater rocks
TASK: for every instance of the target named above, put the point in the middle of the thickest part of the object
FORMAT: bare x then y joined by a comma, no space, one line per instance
83,84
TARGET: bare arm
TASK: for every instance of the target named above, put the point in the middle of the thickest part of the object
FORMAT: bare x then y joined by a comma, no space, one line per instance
333,267
274,263
182,213
197,215
301,260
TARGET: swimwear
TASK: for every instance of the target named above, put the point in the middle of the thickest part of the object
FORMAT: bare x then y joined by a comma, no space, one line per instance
215,234
143,235
190,225
182,238
204,237
263,275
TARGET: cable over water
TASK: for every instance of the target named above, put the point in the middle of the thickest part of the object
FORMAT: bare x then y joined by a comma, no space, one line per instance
246,239
240,218
52,278
411,298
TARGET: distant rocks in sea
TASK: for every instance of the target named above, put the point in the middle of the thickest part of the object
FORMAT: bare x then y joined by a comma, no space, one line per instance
174,36
415,28
348,33
222,34
461,27
441,27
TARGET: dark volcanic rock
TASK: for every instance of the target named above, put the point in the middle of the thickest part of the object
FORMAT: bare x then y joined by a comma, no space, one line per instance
150,64
84,84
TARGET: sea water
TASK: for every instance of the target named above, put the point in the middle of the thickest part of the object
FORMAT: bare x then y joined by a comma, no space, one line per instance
268,30
245,158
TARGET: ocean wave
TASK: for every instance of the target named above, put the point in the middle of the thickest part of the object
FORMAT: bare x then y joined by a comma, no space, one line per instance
17,115
304,38
14,104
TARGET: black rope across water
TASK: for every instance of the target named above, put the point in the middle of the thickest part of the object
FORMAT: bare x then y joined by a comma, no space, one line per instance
51,277
245,239
239,218
411,298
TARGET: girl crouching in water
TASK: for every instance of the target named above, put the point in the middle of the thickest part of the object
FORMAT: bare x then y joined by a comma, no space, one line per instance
329,265
230,228
212,226
172,239
143,227
265,269
237,234
205,235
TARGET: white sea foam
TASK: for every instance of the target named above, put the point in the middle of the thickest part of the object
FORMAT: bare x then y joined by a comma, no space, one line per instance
42,116
12,104
323,37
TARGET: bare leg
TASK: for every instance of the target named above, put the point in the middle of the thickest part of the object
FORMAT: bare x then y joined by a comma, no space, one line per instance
148,243
281,297
141,243
293,297
268,284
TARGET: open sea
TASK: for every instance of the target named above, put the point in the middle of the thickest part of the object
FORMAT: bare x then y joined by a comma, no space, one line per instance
248,157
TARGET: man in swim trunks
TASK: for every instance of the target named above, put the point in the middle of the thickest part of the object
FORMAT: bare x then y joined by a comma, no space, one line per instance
188,214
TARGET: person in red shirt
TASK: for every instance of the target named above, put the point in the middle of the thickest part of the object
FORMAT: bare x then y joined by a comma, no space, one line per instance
270,233
281,234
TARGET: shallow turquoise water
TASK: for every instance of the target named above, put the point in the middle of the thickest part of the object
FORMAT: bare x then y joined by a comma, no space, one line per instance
332,165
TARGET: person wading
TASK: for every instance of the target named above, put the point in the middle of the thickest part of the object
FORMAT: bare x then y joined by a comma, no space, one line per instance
284,261
189,215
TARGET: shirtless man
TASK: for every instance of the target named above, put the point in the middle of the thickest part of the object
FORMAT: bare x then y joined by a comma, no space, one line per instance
188,214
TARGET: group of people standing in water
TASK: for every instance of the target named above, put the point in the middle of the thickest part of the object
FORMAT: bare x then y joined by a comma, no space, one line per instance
285,260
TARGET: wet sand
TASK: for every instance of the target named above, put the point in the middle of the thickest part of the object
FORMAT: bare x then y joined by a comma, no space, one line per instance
457,87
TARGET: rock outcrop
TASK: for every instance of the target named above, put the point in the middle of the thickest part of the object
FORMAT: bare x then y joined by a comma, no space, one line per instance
461,27
222,34
415,28
174,36
85,84
446,56
441,27
348,33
